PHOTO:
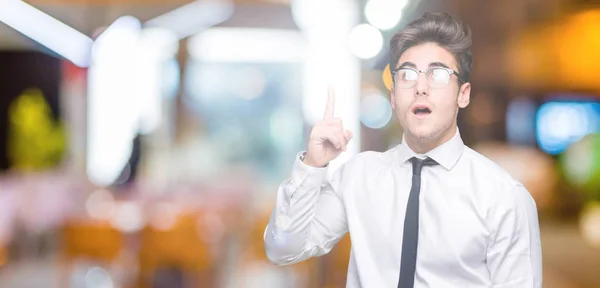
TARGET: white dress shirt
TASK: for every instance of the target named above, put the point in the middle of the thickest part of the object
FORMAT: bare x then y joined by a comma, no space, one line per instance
478,227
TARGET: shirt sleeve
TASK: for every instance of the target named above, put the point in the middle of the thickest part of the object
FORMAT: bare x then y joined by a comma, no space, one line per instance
514,255
309,217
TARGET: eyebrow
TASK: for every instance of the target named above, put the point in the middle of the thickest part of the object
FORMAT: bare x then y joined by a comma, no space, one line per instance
432,64
407,64
438,64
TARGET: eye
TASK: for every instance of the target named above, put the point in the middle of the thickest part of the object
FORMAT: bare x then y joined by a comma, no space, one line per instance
439,75
408,75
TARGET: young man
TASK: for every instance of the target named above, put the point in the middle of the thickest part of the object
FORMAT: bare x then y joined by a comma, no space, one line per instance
430,212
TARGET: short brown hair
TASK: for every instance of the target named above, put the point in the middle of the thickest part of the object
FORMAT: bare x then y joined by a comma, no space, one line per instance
442,29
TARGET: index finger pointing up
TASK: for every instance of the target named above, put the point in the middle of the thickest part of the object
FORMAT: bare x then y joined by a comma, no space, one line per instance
330,103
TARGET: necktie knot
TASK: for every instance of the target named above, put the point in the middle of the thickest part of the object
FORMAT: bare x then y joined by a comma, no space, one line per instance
417,164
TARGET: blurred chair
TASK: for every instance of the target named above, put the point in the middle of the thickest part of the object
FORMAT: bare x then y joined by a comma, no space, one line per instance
303,274
335,264
94,241
3,255
179,247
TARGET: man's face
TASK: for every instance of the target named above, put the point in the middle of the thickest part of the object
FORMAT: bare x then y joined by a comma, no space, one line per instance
428,114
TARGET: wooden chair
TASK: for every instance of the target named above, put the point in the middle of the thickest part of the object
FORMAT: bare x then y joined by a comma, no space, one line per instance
3,256
182,247
335,264
305,273
95,241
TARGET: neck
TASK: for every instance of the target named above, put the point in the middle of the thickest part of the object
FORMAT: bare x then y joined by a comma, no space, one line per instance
424,146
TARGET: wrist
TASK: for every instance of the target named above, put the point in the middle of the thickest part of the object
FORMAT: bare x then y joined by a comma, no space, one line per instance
306,159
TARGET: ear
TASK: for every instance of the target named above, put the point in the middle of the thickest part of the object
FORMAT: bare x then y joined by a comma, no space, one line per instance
464,95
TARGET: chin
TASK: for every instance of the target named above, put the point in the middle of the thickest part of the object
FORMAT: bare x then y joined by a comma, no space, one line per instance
423,135
427,137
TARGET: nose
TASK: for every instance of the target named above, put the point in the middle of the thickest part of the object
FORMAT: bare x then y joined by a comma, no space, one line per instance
422,86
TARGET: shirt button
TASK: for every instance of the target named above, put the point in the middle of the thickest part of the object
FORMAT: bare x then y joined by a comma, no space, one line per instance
301,174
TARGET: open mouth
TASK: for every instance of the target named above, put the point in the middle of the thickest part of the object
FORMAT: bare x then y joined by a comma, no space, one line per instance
421,110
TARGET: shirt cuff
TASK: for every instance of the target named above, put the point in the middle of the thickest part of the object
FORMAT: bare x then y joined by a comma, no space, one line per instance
306,175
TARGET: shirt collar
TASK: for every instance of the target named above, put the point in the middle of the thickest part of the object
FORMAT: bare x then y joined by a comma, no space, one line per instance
446,154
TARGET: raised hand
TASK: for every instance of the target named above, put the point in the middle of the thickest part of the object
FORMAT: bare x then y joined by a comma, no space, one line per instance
328,138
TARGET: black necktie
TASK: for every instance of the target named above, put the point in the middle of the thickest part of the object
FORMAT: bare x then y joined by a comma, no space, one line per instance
410,238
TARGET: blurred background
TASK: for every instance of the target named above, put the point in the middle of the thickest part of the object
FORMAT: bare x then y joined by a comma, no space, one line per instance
142,142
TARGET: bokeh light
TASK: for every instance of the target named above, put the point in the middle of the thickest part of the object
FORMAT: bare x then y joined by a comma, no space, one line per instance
320,15
98,277
561,123
100,204
375,111
581,164
128,217
590,224
164,216
384,14
365,41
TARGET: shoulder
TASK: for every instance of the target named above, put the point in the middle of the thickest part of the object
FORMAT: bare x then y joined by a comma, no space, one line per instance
504,190
482,168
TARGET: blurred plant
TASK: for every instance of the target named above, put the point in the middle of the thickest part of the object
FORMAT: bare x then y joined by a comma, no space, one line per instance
35,140
581,165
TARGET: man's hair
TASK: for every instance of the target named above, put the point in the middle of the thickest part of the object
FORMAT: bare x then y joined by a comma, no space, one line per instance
441,29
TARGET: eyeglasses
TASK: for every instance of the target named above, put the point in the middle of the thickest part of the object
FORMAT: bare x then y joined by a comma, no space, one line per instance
437,77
